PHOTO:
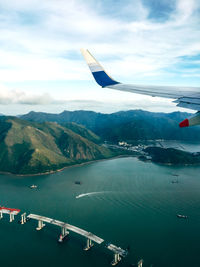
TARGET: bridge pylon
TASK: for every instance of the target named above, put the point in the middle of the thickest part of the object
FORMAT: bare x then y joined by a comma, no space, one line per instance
40,225
116,259
89,244
12,217
140,263
63,235
23,218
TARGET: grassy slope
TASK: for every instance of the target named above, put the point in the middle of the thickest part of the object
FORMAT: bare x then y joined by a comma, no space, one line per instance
29,147
84,132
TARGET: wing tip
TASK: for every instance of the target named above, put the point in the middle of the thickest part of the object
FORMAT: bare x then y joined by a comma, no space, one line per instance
98,72
83,50
184,123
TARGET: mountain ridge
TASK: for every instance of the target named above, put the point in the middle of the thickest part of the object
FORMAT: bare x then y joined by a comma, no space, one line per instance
31,148
125,125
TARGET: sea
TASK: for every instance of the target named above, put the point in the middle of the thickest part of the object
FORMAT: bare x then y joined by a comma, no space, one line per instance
127,202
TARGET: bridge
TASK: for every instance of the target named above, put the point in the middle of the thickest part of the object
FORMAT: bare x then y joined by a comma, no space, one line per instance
65,228
117,253
11,212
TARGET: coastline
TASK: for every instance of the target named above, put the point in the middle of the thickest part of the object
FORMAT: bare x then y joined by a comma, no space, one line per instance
66,167
98,160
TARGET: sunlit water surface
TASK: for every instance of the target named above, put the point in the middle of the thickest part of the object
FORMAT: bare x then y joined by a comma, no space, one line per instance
124,201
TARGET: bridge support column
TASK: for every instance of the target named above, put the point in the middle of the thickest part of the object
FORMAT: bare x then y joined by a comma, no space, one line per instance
40,225
140,263
1,214
89,244
23,218
63,235
116,259
12,217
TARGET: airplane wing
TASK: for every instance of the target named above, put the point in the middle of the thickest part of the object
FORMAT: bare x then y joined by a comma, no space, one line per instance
186,97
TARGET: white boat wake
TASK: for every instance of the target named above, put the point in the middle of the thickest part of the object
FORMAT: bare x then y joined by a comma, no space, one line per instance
90,194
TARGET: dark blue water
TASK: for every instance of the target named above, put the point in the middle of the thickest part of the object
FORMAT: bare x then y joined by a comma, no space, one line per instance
136,205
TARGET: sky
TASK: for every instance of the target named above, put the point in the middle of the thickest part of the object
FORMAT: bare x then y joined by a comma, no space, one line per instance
154,42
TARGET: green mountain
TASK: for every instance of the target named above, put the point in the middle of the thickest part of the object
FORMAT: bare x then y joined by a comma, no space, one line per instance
80,129
125,125
172,156
31,148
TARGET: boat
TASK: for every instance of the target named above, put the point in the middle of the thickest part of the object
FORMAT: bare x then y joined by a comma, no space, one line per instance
174,181
33,186
182,216
78,182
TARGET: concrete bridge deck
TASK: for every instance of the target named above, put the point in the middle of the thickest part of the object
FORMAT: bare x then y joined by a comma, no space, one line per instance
70,227
65,228
117,250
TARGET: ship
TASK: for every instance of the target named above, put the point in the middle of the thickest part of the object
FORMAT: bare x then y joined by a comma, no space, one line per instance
33,186
182,216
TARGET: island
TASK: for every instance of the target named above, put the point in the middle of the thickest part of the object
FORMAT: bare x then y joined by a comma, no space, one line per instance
170,156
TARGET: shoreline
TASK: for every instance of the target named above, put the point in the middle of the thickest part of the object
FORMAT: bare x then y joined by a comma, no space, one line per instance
98,160
66,167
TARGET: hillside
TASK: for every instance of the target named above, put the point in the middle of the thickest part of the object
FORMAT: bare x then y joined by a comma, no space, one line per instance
125,125
172,156
80,129
31,148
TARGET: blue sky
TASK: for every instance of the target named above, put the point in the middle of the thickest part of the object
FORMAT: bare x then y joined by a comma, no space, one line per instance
137,41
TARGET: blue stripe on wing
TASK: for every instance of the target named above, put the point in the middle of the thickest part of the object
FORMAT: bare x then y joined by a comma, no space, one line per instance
103,79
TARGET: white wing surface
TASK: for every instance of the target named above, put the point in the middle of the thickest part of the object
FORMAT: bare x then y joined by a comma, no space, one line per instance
186,97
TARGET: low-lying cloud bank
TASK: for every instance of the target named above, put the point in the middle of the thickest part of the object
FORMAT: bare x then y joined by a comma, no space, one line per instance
20,97
16,102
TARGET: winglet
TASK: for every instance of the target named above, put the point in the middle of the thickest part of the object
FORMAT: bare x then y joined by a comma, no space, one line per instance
100,75
184,123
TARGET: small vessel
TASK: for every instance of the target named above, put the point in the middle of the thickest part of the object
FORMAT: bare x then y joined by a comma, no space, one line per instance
33,186
174,181
174,174
182,216
77,182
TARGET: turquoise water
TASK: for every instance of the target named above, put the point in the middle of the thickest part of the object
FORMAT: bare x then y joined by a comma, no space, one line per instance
136,205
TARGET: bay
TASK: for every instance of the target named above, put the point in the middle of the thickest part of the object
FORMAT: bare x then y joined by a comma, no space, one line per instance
124,201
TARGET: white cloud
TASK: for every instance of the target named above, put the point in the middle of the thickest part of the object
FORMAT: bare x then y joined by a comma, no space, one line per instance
8,97
40,41
64,26
14,102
